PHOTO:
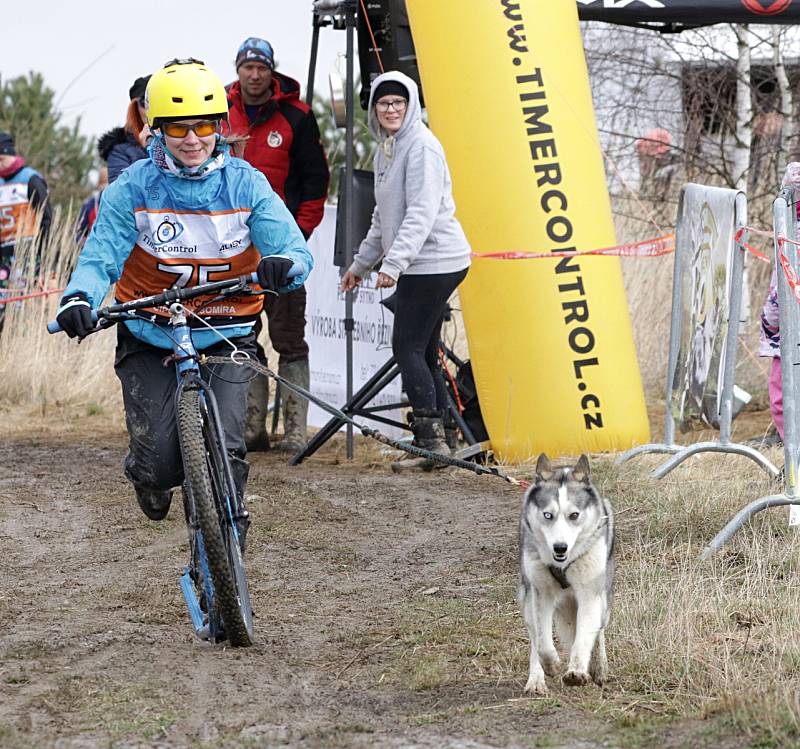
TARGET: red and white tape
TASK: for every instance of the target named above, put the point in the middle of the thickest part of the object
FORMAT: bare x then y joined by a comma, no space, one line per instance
33,295
646,248
752,250
788,271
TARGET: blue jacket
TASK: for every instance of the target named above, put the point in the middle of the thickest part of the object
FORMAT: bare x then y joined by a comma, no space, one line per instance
234,199
20,192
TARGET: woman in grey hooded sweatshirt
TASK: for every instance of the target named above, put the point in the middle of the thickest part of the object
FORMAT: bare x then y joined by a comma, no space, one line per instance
421,245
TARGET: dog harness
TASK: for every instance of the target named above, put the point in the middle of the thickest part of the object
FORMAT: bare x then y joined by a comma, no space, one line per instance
560,575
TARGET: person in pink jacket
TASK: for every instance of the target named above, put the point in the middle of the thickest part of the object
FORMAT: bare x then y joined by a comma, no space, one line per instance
770,335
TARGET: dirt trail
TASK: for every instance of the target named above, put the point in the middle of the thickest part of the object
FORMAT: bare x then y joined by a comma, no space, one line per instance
361,581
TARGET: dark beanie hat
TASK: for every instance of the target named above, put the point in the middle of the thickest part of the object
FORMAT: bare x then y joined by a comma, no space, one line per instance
254,49
7,145
387,88
136,91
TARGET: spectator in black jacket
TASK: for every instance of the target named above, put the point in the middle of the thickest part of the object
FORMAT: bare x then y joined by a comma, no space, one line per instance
122,146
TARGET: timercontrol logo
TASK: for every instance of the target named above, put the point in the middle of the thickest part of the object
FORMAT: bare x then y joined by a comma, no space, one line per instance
167,231
766,7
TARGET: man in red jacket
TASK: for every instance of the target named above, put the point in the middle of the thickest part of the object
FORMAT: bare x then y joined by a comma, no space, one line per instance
283,142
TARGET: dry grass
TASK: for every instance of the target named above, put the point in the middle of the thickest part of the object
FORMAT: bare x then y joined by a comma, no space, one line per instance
695,639
49,372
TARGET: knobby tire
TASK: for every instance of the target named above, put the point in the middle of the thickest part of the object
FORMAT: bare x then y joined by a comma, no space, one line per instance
198,482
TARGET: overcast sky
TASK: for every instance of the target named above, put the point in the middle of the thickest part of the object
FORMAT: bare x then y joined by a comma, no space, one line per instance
63,41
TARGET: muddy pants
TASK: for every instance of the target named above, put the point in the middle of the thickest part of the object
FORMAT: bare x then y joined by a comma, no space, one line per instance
148,393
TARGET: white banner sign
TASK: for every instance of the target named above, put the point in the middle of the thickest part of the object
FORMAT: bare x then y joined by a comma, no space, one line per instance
325,333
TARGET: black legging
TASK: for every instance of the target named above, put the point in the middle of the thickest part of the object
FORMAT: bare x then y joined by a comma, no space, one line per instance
419,310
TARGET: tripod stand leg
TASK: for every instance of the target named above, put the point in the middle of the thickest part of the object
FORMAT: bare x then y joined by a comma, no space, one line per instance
365,394
469,437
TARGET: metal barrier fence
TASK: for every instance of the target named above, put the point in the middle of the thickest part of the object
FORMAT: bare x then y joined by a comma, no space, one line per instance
692,199
784,221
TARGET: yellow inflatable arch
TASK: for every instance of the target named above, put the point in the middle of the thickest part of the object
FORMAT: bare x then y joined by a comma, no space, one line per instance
550,340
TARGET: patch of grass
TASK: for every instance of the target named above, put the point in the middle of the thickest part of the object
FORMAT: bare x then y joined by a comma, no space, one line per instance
768,717
11,738
94,409
299,518
143,710
543,705
634,730
17,679
329,734
428,719
447,640
545,741
33,650
430,672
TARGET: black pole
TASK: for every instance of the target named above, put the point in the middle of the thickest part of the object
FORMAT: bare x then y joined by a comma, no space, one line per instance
312,65
350,21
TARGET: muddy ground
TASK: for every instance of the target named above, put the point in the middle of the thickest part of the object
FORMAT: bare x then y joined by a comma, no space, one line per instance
385,612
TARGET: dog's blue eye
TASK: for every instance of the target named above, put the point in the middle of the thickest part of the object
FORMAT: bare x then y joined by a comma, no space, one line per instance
548,515
573,516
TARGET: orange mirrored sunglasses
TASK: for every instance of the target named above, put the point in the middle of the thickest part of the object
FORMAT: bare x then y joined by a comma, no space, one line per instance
181,130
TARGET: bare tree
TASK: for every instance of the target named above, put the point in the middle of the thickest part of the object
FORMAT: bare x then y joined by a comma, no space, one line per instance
787,145
743,131
722,116
714,105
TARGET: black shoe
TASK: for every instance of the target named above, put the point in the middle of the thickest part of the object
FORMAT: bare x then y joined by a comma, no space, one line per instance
154,502
773,439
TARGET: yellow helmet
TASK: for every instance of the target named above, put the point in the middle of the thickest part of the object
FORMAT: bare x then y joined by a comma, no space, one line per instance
184,89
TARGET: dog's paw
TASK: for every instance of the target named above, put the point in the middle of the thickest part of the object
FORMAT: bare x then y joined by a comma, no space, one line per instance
575,678
536,686
550,662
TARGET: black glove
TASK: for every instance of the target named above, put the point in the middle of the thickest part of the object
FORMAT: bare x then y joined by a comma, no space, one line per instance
75,315
273,272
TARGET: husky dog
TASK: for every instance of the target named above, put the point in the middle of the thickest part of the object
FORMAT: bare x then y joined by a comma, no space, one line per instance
566,554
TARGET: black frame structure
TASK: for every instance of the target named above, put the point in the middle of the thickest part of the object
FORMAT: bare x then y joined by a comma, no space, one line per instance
358,405
673,16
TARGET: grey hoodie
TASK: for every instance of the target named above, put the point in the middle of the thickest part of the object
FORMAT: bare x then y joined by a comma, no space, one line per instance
414,228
